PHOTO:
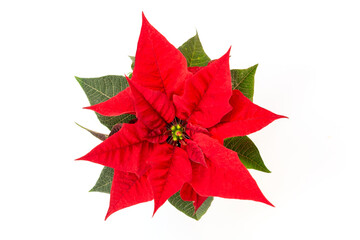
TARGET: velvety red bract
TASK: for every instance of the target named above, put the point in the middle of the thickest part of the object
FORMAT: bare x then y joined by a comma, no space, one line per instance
183,115
245,118
225,176
153,107
127,150
128,189
170,169
120,104
206,96
159,65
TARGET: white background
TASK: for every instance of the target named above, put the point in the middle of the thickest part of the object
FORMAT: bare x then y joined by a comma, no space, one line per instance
308,54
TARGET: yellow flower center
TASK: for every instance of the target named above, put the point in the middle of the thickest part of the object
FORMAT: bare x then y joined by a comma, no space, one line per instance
177,132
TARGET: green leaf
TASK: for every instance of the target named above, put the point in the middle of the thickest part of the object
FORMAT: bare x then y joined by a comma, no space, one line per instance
243,80
104,182
98,135
132,62
194,52
188,207
247,151
101,89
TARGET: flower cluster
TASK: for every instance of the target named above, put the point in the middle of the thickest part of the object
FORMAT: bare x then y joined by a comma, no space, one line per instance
175,144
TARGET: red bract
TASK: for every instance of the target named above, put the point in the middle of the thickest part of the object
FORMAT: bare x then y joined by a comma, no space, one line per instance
176,144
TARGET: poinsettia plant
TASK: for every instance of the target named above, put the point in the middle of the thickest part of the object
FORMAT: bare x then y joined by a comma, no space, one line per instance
178,126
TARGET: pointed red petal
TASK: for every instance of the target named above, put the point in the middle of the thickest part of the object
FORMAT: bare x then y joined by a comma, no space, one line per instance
245,118
153,108
187,193
127,189
206,96
171,168
158,64
119,104
195,153
126,150
225,175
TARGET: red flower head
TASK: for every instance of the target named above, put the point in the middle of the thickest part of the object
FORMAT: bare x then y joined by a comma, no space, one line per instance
177,143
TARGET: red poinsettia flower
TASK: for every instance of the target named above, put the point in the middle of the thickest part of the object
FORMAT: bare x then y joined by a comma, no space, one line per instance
177,142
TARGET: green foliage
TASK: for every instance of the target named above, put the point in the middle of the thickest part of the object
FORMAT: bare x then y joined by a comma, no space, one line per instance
101,89
247,152
243,80
132,62
188,207
104,182
194,52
